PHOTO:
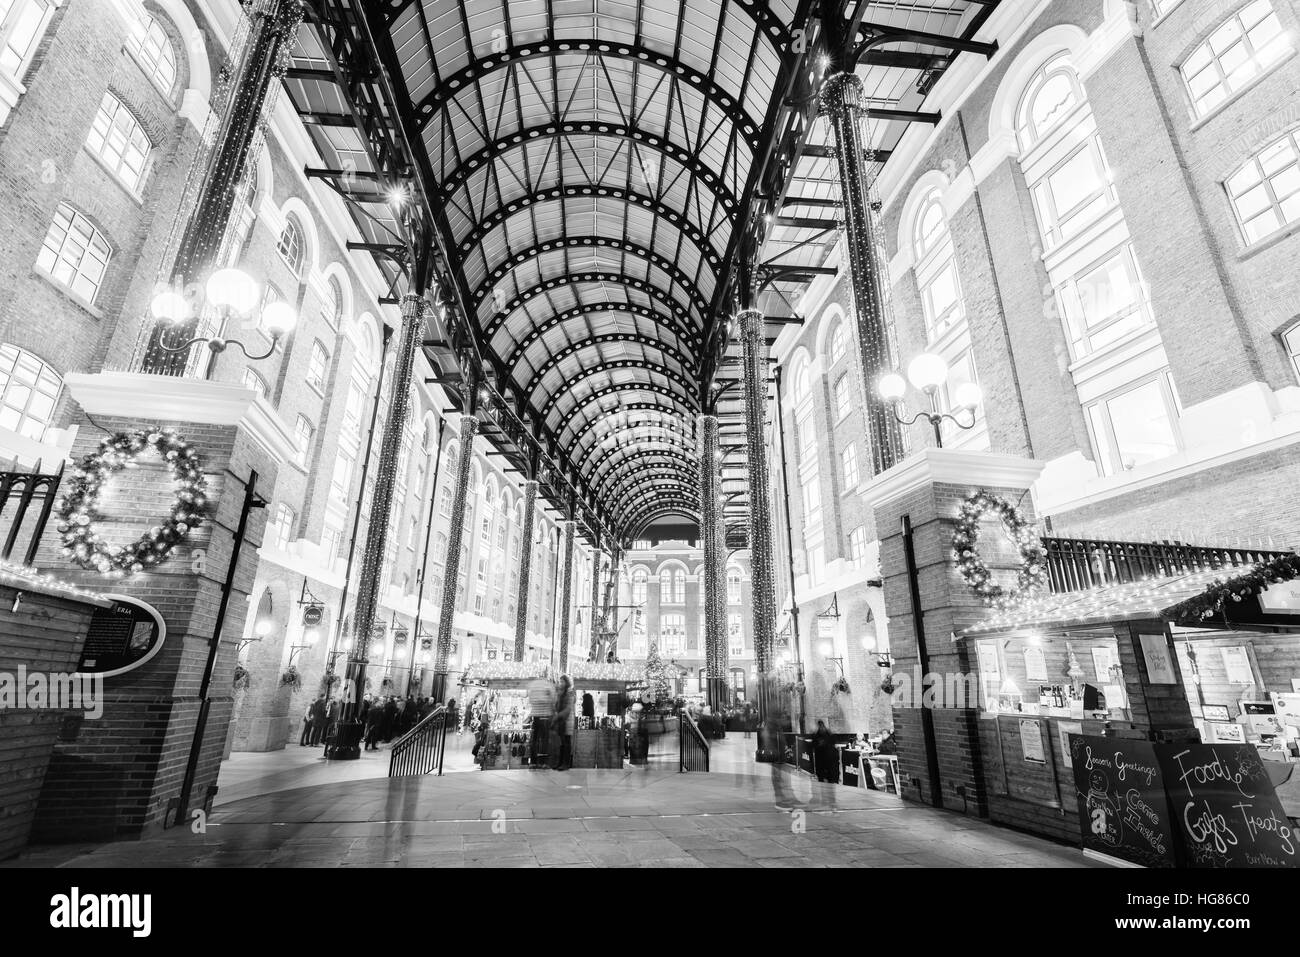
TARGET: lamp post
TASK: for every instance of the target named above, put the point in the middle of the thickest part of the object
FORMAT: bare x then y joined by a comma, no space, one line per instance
234,294
927,373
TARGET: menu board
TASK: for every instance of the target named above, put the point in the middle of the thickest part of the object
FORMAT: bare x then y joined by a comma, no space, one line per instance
1225,808
1123,811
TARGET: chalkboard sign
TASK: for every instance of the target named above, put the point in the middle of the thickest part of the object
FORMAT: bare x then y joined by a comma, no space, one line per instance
121,638
1123,811
1225,807
851,762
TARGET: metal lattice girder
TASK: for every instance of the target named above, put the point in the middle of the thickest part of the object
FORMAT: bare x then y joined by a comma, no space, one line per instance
604,243
551,47
617,447
679,314
607,338
627,456
645,511
568,385
633,490
540,133
646,408
521,205
585,402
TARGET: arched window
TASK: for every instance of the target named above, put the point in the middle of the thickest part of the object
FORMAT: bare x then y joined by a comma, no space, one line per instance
640,578
254,381
118,141
1048,99
839,342
936,272
1246,45
318,366
332,311
672,586
440,547
153,48
733,586
292,246
29,390
1265,193
74,253
800,381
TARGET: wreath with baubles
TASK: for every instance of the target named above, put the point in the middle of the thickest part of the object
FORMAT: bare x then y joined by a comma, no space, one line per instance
79,515
1032,572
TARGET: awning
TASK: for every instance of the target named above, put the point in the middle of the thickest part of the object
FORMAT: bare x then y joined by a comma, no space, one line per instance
1210,598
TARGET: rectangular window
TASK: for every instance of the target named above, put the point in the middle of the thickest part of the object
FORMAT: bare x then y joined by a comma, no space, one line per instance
1104,303
807,438
1134,427
317,366
254,381
352,410
849,459
812,501
735,636
843,395
21,26
330,538
341,483
1245,46
1265,193
672,634
941,297
1073,194
444,501
857,544
1291,340
302,433
280,532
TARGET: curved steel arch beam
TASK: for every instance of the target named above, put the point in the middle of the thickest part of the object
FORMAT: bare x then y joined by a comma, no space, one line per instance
649,493
522,204
621,457
681,402
689,398
498,272
630,483
470,74
692,492
502,145
573,348
640,285
649,500
650,508
643,522
536,332
648,408
582,458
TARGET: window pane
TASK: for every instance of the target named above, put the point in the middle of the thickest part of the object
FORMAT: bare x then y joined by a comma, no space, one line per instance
1140,420
1077,179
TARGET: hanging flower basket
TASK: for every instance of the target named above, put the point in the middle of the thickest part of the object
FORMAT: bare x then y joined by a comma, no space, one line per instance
840,687
242,678
888,686
328,682
291,679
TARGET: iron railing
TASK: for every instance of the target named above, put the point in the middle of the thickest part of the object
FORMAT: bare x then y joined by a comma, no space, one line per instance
27,488
1074,564
421,750
692,748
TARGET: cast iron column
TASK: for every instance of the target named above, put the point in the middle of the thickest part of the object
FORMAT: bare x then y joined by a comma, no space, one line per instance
264,63
842,98
593,652
525,567
347,745
451,570
754,387
566,595
715,648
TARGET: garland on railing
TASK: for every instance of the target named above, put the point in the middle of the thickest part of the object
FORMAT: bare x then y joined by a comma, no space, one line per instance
1209,602
1032,572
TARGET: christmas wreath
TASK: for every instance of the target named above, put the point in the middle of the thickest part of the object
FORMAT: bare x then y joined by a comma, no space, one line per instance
965,549
79,516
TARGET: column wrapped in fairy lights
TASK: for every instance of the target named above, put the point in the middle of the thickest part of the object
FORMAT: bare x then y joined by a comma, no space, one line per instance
566,595
842,100
377,531
754,388
525,566
609,614
451,572
266,58
596,556
715,647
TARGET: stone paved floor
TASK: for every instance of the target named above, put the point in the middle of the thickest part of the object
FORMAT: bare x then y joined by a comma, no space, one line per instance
633,817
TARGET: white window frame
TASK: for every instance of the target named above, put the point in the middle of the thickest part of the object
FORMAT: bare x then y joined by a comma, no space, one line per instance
1108,457
50,258
838,342
8,24
842,392
282,527
1291,343
158,58
254,381
302,439
1269,183
318,364
38,379
735,586
849,467
1276,44
858,544
116,139
293,253
934,259
1080,333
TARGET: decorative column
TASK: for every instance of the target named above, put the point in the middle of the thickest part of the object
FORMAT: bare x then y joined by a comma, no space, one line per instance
611,602
715,637
347,745
566,595
264,62
451,570
525,567
754,388
594,653
842,98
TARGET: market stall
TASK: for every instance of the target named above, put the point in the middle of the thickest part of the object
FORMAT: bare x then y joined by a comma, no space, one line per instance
600,738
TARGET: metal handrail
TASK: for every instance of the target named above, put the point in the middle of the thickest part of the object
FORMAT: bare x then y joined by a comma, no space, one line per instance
694,757
421,750
1075,564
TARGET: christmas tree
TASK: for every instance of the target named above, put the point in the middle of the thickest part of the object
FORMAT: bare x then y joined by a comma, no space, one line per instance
657,675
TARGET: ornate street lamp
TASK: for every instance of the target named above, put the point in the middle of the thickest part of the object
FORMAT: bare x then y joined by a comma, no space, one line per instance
234,294
927,373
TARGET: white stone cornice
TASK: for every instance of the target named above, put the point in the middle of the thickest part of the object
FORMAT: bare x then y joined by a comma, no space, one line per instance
953,467
1116,30
177,399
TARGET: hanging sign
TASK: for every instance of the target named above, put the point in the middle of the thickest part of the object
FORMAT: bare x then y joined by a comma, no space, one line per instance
121,638
1035,664
400,636
1159,662
426,643
313,615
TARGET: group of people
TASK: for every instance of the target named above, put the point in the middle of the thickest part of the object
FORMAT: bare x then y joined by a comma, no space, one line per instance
552,711
384,717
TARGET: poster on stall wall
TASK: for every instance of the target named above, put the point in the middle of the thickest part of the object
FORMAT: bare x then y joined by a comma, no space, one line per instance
1159,662
1031,741
1224,807
1237,664
1287,707
1035,664
1224,732
1123,811
1102,662
990,672
1262,719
